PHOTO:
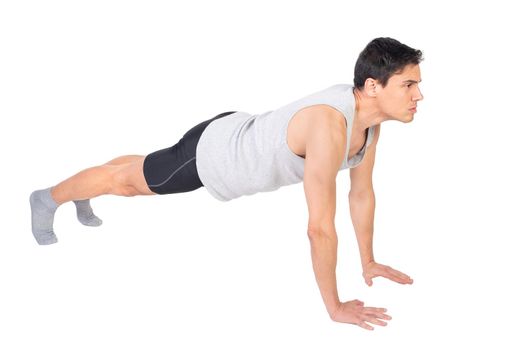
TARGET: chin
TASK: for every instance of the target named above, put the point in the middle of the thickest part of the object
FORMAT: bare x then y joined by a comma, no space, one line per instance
408,119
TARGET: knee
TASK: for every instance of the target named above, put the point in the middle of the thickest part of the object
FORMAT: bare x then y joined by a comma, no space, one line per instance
120,180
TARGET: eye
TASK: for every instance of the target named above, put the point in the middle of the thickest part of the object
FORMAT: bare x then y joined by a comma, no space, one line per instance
409,85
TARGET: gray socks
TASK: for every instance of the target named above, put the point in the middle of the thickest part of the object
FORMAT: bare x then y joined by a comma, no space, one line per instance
43,208
85,215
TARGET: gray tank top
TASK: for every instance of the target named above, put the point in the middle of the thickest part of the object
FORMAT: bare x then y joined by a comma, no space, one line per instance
242,153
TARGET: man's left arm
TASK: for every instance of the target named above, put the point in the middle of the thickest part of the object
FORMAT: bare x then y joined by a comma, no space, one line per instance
362,212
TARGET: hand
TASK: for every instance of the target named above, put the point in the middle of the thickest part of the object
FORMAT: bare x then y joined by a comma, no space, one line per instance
373,269
354,312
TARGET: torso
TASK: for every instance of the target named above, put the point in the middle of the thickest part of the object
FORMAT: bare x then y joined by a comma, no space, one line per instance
297,129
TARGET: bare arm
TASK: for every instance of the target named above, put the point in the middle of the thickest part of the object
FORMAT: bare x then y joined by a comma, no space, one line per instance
362,211
324,154
362,201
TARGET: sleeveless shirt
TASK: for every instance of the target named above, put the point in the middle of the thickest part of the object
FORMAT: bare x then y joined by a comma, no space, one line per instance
242,153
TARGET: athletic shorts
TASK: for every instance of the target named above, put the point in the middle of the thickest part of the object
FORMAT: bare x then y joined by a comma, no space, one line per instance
173,169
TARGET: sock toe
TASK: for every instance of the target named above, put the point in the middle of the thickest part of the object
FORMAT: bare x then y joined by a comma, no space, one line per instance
46,239
85,214
91,220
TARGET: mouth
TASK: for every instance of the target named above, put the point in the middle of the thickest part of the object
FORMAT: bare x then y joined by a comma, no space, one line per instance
414,109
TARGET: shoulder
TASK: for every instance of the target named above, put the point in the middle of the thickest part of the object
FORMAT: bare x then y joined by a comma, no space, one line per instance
326,128
324,116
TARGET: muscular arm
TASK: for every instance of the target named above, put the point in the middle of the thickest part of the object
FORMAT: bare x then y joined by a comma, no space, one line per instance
325,151
362,211
324,154
362,201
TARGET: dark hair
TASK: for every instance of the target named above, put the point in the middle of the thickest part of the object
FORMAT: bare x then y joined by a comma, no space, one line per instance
382,58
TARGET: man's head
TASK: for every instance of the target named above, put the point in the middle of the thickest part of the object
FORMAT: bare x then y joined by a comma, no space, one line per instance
389,72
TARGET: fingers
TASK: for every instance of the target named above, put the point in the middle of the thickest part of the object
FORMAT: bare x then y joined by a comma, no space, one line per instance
397,276
380,310
387,272
379,315
365,325
355,312
374,315
403,276
377,312
374,319
397,279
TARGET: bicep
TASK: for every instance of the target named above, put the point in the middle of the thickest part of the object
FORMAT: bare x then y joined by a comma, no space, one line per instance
324,154
361,175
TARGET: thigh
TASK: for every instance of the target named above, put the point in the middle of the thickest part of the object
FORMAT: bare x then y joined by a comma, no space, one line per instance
172,170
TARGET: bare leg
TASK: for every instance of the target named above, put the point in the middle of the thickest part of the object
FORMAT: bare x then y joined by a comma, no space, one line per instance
121,176
86,184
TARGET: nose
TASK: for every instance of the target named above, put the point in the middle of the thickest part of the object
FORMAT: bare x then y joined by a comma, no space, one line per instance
419,96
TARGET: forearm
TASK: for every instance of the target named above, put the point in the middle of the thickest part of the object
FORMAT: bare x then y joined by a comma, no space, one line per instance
324,258
362,211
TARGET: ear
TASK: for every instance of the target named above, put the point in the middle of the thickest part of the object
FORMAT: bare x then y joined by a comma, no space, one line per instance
370,87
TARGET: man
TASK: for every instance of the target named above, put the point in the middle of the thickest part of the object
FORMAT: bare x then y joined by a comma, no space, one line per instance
309,140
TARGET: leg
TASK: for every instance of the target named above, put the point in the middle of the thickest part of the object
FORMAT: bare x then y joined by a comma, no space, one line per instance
171,170
84,212
88,183
123,179
126,179
129,179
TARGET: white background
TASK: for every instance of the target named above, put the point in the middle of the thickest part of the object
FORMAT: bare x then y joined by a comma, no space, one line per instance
84,82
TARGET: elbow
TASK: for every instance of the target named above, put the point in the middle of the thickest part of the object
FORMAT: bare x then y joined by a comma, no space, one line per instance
320,239
361,194
315,232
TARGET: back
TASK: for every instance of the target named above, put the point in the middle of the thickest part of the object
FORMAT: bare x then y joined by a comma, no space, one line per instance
242,154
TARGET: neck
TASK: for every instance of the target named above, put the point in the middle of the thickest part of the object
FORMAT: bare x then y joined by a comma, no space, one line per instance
367,112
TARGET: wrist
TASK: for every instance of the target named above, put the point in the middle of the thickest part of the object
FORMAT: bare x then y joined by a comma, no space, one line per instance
367,262
333,308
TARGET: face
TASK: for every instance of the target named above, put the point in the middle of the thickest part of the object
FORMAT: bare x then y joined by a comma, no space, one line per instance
398,100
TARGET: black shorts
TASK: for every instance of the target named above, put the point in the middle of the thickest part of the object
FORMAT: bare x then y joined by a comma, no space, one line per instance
173,169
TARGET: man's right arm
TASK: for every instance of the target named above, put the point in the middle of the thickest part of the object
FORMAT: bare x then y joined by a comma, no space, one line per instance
324,154
325,149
